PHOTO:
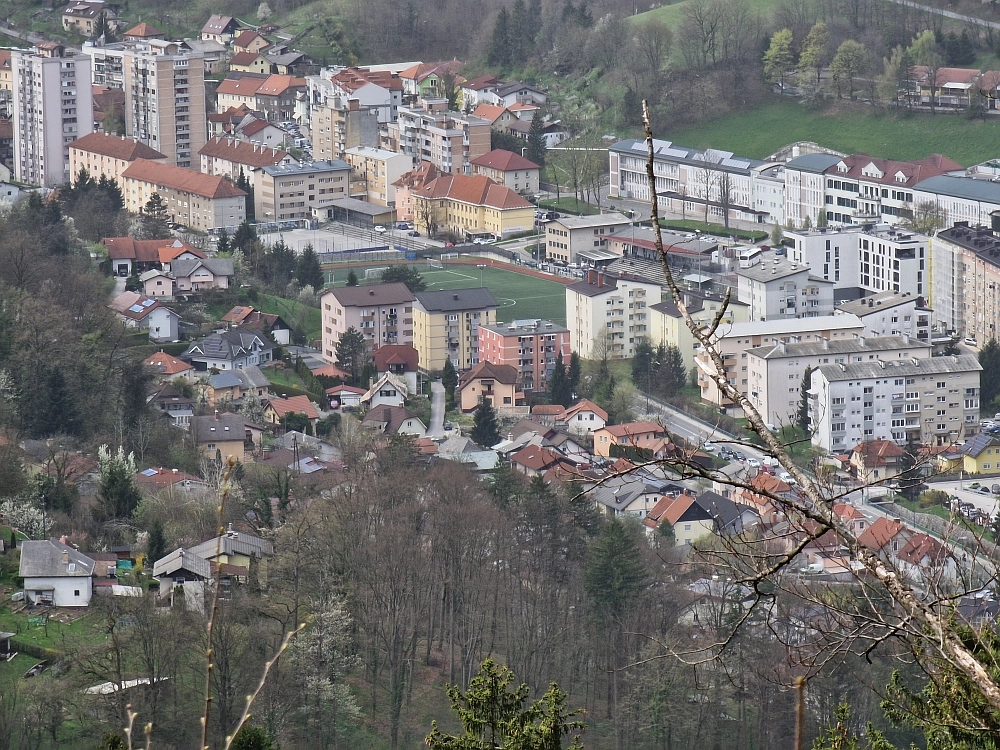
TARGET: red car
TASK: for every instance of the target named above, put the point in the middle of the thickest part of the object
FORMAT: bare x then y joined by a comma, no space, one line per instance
449,244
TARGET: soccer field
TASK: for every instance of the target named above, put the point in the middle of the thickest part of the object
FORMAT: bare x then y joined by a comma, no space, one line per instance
519,295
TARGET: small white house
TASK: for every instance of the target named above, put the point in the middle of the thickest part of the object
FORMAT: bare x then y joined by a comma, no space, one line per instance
344,395
55,573
388,390
583,418
163,324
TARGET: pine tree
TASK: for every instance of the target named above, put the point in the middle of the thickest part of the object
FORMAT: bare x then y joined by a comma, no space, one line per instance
536,139
118,494
802,414
407,275
575,371
308,271
505,485
156,547
615,575
519,31
58,413
673,371
352,278
989,388
449,379
643,366
485,429
246,186
352,353
499,52
559,385
222,243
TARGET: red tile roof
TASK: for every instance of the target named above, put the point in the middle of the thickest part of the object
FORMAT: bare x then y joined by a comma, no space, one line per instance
420,71
332,371
162,478
417,178
276,85
254,126
634,428
875,452
669,509
536,458
847,512
920,546
165,364
491,112
145,251
946,75
244,85
283,406
338,389
144,31
246,38
243,152
181,180
880,533
396,354
547,409
237,314
501,373
476,190
352,79
480,83
505,161
766,483
912,171
584,405
115,147
244,58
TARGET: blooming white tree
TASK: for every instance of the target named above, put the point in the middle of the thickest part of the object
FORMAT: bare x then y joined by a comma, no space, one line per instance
26,517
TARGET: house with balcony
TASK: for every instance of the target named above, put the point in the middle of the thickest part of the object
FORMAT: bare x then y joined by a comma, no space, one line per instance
608,312
531,346
495,384
382,312
778,289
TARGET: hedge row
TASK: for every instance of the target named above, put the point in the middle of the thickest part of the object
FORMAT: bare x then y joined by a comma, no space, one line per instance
39,652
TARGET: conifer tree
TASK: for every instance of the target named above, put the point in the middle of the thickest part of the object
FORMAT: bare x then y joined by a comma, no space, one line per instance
352,278
485,429
308,271
500,51
536,140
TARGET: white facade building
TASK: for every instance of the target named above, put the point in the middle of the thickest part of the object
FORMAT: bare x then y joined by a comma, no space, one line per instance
53,106
776,370
934,401
831,253
604,310
891,314
778,289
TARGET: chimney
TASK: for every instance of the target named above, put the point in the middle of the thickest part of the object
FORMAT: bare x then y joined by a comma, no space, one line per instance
455,296
371,292
216,413
173,471
65,557
591,276
600,279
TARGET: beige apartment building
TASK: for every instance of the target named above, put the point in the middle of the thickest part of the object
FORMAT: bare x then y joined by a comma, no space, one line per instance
374,172
470,205
164,85
446,326
609,314
227,157
382,312
566,237
733,341
967,282
292,191
428,131
340,125
667,326
103,154
776,370
6,83
198,201
508,169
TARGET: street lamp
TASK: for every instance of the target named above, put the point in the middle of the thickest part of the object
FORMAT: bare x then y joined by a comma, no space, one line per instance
523,150
268,223
481,266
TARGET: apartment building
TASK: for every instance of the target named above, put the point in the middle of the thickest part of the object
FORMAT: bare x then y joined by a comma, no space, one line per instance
891,314
733,341
410,183
273,95
529,346
776,371
52,106
508,169
228,157
698,182
446,326
775,288
608,314
106,155
932,401
967,281
830,252
856,189
428,131
972,197
374,173
198,201
6,84
470,205
668,327
382,312
292,191
342,124
164,85
567,236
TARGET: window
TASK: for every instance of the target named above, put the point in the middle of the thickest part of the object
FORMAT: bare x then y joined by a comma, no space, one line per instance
76,592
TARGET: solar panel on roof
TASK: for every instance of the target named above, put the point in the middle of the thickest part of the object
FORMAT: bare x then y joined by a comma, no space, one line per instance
148,302
136,308
149,472
675,153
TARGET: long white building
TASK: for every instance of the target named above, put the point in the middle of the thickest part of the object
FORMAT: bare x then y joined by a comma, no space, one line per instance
609,312
53,106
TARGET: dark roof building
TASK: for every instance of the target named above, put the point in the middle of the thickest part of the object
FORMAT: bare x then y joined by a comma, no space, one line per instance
456,300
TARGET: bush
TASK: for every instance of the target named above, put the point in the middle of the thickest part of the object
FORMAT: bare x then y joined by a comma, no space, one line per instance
39,652
931,498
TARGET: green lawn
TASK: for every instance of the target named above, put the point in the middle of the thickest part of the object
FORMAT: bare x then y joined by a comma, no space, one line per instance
848,128
58,636
292,312
570,204
672,14
520,295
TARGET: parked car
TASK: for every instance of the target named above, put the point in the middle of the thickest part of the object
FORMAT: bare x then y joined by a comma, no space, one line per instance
481,241
448,425
449,244
969,341
741,457
753,463
995,489
709,447
984,491
379,228
413,233
404,225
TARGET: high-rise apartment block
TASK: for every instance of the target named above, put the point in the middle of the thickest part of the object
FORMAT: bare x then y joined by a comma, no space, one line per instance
52,107
428,131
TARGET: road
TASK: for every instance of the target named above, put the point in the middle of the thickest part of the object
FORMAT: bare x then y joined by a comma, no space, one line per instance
436,427
948,14
960,489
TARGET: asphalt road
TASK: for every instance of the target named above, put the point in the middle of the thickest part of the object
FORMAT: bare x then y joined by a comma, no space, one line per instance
436,427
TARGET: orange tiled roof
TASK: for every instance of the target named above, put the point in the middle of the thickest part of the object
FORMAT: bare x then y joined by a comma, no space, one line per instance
491,112
115,147
243,152
182,180
634,428
880,533
477,190
505,161
164,363
283,406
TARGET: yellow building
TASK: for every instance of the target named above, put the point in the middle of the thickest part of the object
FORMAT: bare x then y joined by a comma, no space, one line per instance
981,455
470,205
374,172
667,327
446,326
496,384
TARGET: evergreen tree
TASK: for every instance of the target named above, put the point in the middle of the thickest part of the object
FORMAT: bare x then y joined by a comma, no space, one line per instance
449,379
405,275
821,218
352,353
615,575
802,414
559,385
156,547
244,184
252,738
575,370
58,413
118,494
308,271
154,219
244,238
485,428
279,264
506,486
536,140
909,477
500,44
519,31
643,366
352,278
672,371
222,243
112,192
989,385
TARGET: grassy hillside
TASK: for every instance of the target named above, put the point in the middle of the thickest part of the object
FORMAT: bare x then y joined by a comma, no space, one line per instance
673,13
854,129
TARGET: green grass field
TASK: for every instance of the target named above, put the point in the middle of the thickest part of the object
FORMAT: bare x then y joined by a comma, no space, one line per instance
520,295
854,129
673,13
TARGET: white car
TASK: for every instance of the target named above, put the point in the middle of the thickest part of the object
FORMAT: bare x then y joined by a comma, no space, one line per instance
786,478
753,463
969,341
379,228
710,447
481,241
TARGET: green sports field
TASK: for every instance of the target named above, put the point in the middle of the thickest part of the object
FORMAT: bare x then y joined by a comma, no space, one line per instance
520,295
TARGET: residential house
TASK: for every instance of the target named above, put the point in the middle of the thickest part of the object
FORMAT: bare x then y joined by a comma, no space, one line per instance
294,191
223,388
891,314
165,367
386,389
249,41
256,130
533,460
276,409
630,494
221,29
778,289
221,437
689,520
181,568
272,324
254,381
518,92
374,172
446,326
411,182
428,131
347,107
496,384
273,95
668,327
626,439
137,311
854,519
107,155
758,497
83,16
55,573
531,346
479,90
511,170
344,395
382,312
400,360
236,548
428,80
499,117
286,62
924,559
169,402
196,200
470,206
876,460
981,454
156,479
393,420
129,256
567,236
230,350
229,157
886,536
250,62
932,401
947,88
200,274
143,32
582,418
213,54
608,313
